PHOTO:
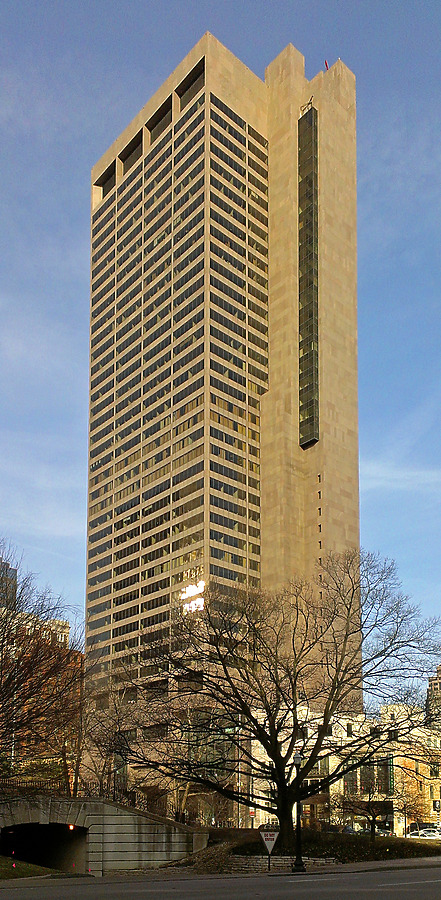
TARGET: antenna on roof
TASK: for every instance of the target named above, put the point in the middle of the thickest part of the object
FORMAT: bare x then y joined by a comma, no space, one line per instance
307,105
326,65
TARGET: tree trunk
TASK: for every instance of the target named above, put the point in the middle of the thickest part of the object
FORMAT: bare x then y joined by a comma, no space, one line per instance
182,802
372,834
76,778
286,839
66,773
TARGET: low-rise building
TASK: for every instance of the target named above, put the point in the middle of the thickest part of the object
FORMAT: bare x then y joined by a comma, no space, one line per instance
399,784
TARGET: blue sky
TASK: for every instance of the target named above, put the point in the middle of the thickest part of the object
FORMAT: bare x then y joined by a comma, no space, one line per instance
72,76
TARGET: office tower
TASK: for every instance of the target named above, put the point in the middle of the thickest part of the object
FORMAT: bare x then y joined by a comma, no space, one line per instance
223,397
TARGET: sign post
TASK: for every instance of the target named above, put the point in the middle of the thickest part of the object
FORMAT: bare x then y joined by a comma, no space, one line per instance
269,837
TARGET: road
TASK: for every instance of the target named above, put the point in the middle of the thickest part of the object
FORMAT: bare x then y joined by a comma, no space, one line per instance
400,884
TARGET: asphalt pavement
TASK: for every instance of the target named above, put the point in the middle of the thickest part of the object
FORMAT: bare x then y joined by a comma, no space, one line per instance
390,879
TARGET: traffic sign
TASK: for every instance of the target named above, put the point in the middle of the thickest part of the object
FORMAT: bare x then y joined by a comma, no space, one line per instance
269,837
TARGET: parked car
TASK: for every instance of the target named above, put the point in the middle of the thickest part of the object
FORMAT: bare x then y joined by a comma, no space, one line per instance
423,826
427,834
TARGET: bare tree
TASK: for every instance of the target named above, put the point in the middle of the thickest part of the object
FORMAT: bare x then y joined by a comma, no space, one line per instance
105,737
410,799
40,668
372,807
252,679
374,801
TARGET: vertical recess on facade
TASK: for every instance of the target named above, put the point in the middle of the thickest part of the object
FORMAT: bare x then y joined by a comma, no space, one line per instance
308,280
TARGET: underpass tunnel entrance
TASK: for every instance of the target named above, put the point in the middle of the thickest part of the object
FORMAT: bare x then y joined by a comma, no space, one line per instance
57,846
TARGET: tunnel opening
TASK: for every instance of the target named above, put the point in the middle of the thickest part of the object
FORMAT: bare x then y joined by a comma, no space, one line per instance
56,846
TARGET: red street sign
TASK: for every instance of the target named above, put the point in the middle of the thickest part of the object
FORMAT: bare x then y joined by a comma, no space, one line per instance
269,837
252,812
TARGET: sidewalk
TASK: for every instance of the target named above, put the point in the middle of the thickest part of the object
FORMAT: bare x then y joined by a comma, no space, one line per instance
172,874
376,865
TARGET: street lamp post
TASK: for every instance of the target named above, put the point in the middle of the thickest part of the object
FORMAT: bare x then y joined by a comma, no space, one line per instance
299,866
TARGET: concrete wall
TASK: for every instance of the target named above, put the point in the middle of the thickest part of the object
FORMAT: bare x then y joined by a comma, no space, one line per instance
118,837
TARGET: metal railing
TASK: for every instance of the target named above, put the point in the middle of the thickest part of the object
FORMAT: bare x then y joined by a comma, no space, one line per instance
19,786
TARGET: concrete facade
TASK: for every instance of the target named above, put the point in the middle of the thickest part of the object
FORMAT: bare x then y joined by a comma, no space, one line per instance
310,501
110,837
199,336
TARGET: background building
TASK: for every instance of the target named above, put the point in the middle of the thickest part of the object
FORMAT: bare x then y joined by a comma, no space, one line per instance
223,397
8,584
433,698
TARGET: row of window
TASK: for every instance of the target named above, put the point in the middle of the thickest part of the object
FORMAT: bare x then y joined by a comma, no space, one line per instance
191,274
194,436
259,360
256,308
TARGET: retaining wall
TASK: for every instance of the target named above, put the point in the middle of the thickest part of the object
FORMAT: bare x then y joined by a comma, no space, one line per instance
118,837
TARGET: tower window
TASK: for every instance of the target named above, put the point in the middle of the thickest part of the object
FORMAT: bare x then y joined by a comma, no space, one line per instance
308,280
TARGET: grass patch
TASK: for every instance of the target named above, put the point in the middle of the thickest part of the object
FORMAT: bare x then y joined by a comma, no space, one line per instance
226,843
345,848
21,870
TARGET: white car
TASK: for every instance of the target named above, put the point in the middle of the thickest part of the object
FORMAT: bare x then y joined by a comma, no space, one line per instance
428,834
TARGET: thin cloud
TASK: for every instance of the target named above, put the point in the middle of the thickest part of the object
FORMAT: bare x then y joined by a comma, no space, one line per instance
27,341
79,101
385,475
26,104
55,261
407,432
43,353
42,489
398,175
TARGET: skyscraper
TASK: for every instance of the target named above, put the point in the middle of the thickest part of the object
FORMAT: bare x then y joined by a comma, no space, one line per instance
223,394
